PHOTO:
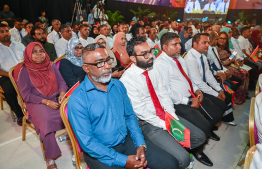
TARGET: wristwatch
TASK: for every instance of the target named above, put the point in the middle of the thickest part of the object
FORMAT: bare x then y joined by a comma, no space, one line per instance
143,146
189,103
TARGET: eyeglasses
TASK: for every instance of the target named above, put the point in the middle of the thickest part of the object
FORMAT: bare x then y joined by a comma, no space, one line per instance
78,48
147,54
29,27
223,38
102,63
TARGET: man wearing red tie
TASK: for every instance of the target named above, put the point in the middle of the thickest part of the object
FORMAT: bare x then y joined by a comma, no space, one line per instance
150,100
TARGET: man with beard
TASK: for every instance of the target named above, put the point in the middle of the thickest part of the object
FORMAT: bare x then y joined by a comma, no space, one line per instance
104,122
38,34
84,39
11,53
149,98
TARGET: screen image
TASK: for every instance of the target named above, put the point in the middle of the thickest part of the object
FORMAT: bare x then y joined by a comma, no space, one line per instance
149,2
246,4
207,6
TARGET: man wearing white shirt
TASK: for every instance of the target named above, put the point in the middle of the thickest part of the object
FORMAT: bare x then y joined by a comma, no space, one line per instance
84,39
188,44
223,6
193,4
141,31
75,30
174,27
104,31
201,75
136,80
11,53
123,28
18,32
210,5
61,44
152,38
196,27
55,34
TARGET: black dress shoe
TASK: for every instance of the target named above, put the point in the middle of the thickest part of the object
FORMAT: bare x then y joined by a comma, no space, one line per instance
202,158
213,136
215,128
19,121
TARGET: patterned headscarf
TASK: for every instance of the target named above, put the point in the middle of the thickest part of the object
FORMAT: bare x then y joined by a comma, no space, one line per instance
73,42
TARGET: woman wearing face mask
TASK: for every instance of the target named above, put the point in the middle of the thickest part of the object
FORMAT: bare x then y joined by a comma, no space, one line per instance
71,65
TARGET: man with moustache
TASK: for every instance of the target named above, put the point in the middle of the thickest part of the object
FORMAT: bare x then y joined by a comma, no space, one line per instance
84,39
149,98
11,53
61,44
104,122
38,34
18,32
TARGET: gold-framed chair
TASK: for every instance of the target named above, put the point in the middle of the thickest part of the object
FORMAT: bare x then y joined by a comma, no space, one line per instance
59,59
2,103
23,107
249,156
257,88
76,148
251,127
184,55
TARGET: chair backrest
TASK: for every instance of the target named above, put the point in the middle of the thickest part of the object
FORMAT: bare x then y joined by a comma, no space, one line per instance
76,147
257,90
184,55
251,123
20,99
58,60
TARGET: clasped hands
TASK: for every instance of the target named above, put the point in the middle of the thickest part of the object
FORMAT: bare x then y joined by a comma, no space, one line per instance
52,104
137,161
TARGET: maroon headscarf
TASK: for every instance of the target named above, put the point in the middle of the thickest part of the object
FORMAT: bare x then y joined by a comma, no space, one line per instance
41,74
255,39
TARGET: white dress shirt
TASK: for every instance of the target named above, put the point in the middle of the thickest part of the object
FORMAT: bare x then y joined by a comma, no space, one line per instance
221,7
11,56
212,6
212,56
53,37
174,80
110,42
190,6
60,47
196,73
171,30
152,44
16,35
87,41
237,48
188,45
137,90
74,35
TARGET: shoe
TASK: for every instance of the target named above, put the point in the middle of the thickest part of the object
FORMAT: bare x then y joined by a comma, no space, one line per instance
213,136
202,158
19,121
232,123
215,128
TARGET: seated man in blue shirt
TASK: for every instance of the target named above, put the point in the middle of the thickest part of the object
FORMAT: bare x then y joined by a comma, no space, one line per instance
104,122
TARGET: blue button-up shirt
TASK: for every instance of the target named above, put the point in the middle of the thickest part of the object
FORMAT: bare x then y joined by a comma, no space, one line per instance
102,119
91,18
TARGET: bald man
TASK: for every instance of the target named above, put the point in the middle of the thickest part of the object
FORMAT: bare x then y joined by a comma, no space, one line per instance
7,15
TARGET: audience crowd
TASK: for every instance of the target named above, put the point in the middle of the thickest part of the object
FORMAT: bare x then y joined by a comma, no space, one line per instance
131,75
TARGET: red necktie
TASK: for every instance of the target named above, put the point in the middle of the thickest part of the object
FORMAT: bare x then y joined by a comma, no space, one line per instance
184,74
159,110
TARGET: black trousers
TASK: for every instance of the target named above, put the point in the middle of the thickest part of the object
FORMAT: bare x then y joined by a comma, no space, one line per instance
198,117
156,157
11,96
252,73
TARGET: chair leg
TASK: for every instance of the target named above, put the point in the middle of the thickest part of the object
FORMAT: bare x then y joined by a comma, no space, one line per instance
1,102
24,128
241,162
43,149
12,114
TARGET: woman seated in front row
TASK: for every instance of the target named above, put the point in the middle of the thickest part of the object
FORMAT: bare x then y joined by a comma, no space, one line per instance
40,84
71,65
117,69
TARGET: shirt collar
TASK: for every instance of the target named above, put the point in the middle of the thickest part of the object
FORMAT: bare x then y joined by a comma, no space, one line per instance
137,69
165,56
196,53
90,86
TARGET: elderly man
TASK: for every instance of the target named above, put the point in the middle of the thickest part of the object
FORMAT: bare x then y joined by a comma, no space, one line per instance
84,39
174,27
61,44
18,32
104,31
150,99
106,128
152,37
55,34
11,54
